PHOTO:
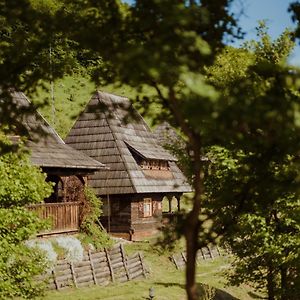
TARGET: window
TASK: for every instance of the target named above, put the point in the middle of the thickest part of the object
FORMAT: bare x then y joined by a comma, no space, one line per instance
155,165
147,207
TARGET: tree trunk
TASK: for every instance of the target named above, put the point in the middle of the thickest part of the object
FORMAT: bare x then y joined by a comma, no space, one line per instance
192,230
191,235
192,222
284,284
271,284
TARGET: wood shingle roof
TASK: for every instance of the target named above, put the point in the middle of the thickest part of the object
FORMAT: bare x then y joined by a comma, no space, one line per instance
111,131
47,148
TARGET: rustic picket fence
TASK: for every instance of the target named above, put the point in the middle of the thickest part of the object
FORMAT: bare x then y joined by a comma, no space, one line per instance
205,253
100,268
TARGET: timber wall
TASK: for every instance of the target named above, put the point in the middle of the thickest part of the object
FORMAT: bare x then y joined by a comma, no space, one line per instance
127,216
100,268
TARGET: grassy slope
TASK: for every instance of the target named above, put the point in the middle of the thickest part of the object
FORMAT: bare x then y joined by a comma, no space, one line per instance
71,94
167,282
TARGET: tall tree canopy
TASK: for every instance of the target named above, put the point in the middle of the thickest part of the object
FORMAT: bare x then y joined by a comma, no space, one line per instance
254,182
163,45
166,46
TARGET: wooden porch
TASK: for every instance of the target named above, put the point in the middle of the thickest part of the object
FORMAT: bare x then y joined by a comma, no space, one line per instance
64,217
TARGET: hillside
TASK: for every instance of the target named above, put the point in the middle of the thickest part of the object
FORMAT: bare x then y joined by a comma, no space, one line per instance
71,94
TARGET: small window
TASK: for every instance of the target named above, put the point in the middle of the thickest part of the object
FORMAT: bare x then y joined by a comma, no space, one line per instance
147,207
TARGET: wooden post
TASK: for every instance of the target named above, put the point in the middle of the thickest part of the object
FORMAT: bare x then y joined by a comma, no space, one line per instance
142,263
124,261
73,274
54,279
170,204
178,202
203,255
109,211
183,257
110,266
175,262
210,253
92,267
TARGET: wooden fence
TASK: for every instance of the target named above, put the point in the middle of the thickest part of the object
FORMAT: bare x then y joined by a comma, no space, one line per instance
64,216
99,268
209,252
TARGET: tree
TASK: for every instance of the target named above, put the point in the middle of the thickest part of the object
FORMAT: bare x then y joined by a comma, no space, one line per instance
254,182
167,43
20,184
32,52
166,46
163,45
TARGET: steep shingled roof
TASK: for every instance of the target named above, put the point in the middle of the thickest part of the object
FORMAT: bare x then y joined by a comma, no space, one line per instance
47,148
111,131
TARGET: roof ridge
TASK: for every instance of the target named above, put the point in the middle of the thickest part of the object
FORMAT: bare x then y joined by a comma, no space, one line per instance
117,146
109,94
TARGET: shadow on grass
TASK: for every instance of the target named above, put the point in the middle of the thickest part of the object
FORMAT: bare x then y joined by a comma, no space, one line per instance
255,296
205,291
170,284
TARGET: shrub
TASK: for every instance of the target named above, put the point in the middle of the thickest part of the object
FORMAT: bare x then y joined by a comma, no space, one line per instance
20,184
90,224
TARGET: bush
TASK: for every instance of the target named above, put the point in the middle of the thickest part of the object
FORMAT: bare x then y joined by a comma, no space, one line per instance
20,184
90,224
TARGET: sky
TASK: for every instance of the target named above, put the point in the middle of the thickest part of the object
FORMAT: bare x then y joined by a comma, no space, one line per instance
274,12
277,18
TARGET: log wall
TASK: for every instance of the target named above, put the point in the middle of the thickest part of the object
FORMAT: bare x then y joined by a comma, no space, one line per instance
145,226
97,267
127,218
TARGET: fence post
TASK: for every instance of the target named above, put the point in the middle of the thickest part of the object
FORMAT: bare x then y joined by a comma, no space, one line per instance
109,266
183,257
142,263
92,267
203,255
54,279
210,253
124,261
174,259
73,274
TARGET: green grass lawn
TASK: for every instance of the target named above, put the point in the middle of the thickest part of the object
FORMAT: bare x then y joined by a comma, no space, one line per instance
167,281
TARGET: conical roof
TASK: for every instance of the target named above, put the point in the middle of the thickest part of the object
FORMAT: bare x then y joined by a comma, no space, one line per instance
47,148
110,130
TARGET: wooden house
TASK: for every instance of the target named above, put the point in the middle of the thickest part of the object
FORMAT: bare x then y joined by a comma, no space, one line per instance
141,173
66,167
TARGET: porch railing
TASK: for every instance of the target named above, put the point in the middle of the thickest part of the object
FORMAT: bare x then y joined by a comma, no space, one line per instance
64,217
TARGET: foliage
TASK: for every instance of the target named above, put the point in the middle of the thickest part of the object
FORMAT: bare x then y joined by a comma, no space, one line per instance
28,186
20,184
33,53
90,222
46,247
295,10
253,190
18,266
166,46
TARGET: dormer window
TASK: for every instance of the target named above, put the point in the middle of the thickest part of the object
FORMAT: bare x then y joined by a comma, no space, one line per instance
154,165
153,161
